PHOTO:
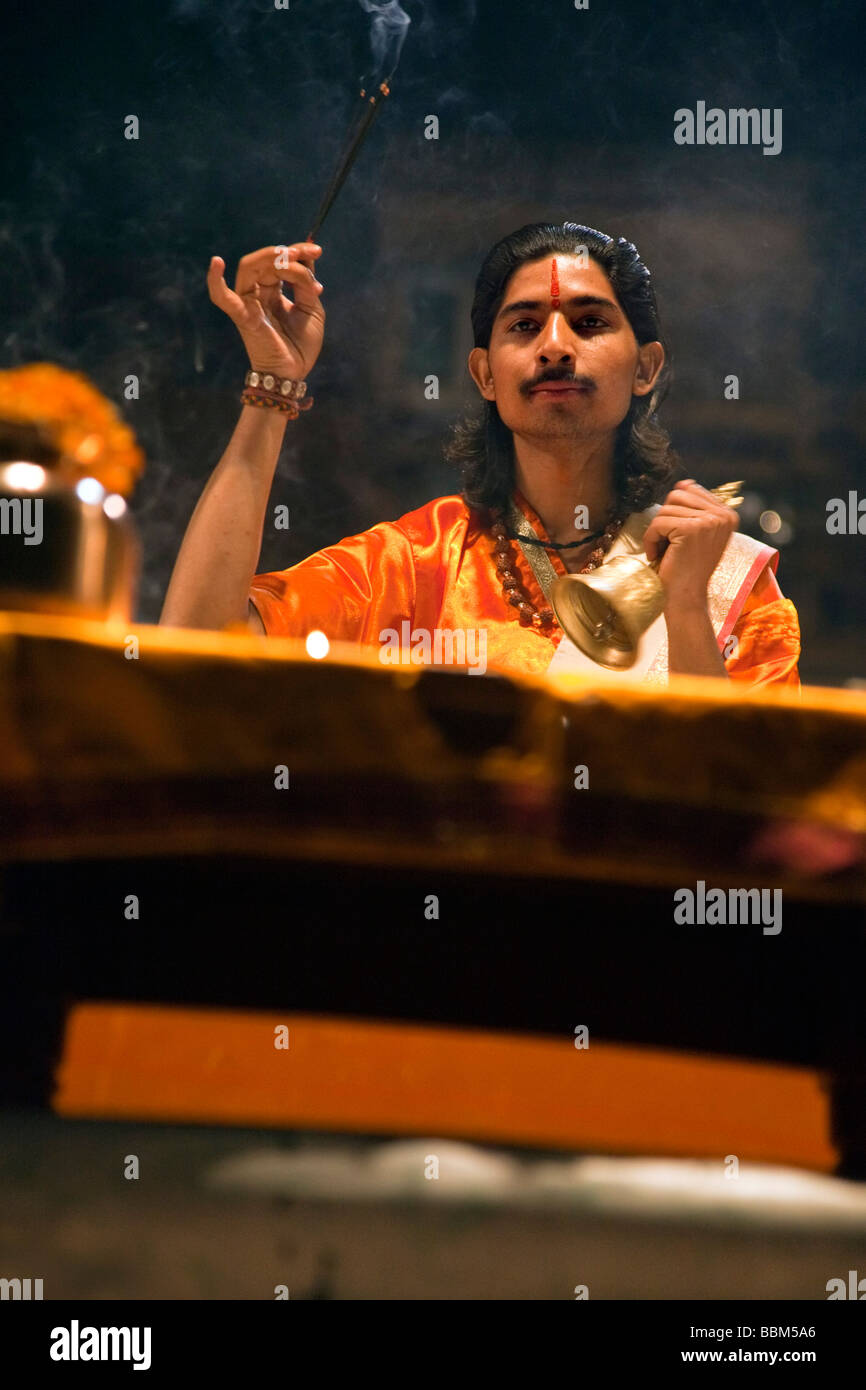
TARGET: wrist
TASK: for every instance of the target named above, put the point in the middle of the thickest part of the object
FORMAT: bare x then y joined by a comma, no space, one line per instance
686,603
264,424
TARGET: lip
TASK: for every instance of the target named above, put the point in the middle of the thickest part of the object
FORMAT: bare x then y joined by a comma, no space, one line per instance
556,388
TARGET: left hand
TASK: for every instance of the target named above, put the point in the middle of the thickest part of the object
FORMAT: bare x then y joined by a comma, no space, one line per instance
696,528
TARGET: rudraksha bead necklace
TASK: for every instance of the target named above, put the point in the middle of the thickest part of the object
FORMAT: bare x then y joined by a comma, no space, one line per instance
514,594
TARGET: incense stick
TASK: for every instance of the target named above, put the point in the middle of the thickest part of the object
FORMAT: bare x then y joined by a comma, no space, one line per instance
371,108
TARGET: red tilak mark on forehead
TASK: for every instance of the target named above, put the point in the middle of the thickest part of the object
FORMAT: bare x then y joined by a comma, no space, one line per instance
554,285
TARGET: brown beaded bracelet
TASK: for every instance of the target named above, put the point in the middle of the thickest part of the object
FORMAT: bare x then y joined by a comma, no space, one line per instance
289,408
269,402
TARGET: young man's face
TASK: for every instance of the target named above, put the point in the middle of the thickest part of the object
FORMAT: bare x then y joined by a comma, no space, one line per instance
567,371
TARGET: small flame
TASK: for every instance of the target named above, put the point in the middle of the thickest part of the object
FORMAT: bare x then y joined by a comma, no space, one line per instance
387,33
29,477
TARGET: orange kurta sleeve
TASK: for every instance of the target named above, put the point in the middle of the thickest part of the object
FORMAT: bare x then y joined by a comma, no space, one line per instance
350,591
768,637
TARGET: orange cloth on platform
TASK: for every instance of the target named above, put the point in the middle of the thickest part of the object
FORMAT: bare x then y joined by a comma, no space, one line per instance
434,569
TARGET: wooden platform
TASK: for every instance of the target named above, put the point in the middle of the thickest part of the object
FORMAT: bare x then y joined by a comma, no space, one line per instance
284,826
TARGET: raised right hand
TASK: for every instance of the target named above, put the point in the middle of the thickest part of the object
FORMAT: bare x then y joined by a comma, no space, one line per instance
281,335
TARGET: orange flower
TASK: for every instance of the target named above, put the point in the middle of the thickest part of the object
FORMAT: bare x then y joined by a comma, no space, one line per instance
92,439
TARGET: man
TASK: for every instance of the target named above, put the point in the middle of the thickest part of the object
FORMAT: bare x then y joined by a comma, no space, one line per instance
567,465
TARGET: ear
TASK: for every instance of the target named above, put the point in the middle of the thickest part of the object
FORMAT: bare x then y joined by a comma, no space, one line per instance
650,360
479,368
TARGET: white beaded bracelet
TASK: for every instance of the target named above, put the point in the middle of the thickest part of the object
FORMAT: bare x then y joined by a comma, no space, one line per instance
276,385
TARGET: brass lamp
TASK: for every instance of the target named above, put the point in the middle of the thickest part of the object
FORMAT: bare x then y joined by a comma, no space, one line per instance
68,545
606,612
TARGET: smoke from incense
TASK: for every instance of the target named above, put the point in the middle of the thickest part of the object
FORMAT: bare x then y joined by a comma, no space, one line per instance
387,35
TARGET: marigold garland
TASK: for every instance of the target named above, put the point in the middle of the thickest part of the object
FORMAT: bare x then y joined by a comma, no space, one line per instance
85,427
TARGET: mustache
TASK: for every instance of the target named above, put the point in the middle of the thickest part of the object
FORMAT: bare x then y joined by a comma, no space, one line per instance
558,374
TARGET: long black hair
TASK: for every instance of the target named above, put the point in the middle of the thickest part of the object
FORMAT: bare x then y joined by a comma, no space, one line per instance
482,447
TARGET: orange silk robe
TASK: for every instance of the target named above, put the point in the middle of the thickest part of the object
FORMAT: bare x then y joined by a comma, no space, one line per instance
434,569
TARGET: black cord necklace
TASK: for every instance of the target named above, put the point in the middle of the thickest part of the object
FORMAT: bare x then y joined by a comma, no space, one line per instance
555,545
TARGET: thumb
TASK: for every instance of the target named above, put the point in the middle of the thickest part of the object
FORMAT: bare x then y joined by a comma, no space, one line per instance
655,542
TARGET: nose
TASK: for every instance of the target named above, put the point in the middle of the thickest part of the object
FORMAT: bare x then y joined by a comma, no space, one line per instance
554,343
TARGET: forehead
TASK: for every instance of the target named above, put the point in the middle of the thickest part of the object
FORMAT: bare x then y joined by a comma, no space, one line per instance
575,275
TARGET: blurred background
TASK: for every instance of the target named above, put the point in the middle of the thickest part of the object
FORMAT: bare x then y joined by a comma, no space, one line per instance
545,112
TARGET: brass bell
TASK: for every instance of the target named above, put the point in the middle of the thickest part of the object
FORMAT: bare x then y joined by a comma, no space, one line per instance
607,611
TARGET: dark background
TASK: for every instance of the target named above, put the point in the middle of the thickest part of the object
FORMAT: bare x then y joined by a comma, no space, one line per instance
545,113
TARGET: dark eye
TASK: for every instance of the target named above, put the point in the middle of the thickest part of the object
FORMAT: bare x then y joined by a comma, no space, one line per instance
521,322
591,319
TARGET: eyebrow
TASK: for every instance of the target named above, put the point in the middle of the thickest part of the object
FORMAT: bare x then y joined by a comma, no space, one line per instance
576,300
